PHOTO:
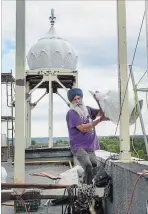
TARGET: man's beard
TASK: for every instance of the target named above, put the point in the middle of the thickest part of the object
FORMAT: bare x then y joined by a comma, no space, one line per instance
81,109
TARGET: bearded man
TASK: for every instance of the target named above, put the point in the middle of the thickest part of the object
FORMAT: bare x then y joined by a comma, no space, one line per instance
81,127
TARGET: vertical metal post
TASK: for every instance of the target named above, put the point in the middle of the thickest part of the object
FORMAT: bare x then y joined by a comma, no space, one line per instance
12,117
19,159
29,123
76,80
125,154
8,138
28,117
146,18
50,112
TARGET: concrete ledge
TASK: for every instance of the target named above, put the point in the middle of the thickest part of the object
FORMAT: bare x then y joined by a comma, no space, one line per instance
124,176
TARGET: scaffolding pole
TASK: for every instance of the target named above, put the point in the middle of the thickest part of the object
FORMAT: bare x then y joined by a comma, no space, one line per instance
20,141
125,154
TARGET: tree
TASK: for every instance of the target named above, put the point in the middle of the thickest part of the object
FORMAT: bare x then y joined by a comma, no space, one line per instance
33,142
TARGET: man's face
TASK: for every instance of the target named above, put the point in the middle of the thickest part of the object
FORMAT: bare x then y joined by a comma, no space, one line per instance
76,100
78,106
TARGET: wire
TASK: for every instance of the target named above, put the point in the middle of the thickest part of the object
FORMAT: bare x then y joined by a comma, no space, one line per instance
133,190
147,92
129,73
141,78
63,198
135,112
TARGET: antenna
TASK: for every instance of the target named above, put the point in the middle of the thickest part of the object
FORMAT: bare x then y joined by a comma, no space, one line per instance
52,17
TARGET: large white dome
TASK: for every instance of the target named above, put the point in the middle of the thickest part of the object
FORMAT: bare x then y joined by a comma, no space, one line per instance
52,51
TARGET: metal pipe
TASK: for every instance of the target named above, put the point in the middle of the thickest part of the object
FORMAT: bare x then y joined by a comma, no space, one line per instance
20,141
50,128
35,103
9,197
142,89
57,80
146,18
63,98
12,118
38,186
125,154
32,90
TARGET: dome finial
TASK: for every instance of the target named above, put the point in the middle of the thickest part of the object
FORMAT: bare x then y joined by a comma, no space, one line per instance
52,17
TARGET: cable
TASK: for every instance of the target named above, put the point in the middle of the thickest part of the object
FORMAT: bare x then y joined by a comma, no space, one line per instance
147,92
129,73
133,190
141,78
135,124
63,198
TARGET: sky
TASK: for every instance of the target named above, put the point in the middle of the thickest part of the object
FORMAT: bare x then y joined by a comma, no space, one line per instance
91,28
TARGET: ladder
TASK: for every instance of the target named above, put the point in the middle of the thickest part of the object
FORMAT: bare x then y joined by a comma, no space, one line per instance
10,93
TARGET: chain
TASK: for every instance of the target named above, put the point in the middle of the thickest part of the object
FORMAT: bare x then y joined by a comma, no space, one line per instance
86,193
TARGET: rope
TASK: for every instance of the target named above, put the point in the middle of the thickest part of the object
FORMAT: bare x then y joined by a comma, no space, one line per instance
133,190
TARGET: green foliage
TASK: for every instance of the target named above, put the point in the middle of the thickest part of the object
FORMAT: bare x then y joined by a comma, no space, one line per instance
61,143
112,144
33,142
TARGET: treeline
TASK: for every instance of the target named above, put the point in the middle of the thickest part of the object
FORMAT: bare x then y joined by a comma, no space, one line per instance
137,146
111,144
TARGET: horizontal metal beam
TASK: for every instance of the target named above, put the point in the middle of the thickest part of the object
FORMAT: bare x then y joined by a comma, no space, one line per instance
37,186
51,71
142,89
9,196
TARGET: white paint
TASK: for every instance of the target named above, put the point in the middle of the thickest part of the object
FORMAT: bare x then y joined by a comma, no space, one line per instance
3,175
109,102
20,115
125,154
51,51
3,140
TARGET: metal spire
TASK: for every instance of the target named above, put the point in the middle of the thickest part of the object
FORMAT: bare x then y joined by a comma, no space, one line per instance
52,17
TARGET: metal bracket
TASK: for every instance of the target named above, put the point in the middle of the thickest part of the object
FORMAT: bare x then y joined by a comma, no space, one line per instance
32,90
35,103
58,81
63,99
142,89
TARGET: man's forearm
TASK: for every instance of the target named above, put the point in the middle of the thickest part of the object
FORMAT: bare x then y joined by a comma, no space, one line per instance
89,126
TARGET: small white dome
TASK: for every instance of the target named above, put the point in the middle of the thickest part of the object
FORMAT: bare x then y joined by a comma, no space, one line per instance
52,51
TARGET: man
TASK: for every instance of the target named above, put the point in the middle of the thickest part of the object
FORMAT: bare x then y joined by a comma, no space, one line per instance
81,127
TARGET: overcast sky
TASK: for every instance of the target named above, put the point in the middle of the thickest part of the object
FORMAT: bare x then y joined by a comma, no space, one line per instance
91,27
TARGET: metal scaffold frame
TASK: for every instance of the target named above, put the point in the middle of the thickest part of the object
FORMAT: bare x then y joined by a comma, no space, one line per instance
8,80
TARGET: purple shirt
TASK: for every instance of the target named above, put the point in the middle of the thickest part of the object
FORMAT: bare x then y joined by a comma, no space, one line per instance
78,139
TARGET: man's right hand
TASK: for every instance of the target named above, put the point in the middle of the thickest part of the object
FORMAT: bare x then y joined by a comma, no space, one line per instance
104,118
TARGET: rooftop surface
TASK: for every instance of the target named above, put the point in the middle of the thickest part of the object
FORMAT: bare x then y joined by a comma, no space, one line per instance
29,169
